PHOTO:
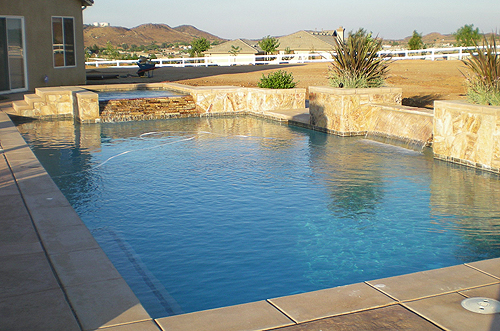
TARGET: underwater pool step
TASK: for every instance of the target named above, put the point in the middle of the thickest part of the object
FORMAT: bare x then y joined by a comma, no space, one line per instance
300,115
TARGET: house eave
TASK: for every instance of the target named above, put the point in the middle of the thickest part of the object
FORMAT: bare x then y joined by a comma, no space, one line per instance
87,3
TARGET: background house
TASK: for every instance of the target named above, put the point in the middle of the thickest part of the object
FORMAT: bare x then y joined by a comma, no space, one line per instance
41,44
233,51
305,42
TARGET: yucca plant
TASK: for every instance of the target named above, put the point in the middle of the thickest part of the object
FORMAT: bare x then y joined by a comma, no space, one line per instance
356,63
483,79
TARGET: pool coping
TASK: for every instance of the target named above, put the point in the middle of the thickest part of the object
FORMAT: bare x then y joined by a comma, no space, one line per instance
91,294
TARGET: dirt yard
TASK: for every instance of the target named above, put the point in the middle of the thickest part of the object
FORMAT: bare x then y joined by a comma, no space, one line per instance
422,81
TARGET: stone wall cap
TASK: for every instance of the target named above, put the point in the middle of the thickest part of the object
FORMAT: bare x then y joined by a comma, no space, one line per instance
467,106
87,94
407,109
277,91
338,90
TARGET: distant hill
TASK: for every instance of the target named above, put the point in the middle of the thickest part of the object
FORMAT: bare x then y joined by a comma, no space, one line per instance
435,37
143,34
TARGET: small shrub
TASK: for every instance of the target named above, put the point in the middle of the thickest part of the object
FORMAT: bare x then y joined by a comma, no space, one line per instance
480,94
356,63
277,80
483,79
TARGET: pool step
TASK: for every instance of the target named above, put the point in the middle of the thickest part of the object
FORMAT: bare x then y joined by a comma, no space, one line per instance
30,106
21,107
32,99
300,115
48,102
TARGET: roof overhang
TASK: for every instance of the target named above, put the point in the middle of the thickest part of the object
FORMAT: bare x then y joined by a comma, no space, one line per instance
87,2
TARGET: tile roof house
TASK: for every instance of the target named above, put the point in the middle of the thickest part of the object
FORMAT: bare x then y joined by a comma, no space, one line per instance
234,51
303,42
41,44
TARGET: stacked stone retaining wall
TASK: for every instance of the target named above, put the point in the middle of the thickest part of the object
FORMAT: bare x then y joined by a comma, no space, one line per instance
147,109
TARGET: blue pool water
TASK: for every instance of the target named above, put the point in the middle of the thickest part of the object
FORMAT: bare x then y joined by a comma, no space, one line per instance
135,94
204,213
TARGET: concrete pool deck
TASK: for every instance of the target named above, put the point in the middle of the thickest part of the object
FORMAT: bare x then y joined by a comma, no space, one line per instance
54,276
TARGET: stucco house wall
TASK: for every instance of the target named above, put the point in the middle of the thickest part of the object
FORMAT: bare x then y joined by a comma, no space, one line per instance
221,53
38,39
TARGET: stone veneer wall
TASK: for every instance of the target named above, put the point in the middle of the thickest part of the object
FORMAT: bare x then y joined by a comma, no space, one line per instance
467,134
227,99
147,109
51,102
86,108
348,112
81,102
409,124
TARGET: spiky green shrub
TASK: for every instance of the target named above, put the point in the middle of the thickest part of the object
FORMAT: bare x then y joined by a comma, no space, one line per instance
483,79
356,63
277,80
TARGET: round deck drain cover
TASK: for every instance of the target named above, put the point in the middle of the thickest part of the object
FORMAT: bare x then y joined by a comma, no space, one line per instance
481,305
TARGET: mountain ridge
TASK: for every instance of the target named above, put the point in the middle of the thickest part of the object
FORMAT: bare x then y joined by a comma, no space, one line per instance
159,33
143,34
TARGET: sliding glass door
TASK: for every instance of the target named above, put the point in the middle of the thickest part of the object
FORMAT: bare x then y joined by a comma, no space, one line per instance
12,54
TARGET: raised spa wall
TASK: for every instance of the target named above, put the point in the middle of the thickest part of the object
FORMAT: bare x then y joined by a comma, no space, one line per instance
81,102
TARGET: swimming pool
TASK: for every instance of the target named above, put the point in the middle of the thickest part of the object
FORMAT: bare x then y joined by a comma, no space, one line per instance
203,213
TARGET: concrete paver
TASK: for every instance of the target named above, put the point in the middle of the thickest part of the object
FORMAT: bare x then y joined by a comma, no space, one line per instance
67,239
491,291
80,267
139,326
432,282
446,311
45,311
258,315
105,303
491,267
27,273
387,318
334,301
17,236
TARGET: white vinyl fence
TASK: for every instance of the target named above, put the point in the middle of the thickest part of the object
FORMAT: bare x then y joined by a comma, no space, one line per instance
426,54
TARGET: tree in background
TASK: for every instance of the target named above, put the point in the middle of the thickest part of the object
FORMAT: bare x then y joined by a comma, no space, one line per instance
235,50
269,44
111,52
198,46
415,41
91,51
467,35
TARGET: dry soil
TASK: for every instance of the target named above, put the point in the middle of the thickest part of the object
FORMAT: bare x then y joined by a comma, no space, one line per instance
422,81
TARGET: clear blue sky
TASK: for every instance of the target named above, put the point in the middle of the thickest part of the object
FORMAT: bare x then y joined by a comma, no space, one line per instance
255,19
